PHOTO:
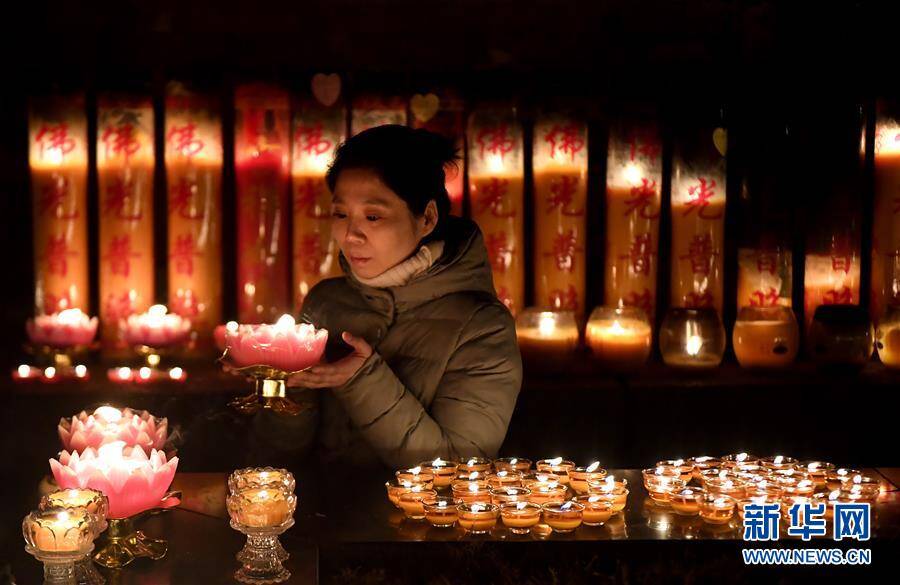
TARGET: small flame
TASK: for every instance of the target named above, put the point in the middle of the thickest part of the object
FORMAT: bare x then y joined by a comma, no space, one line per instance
593,467
442,504
723,474
693,345
702,459
124,373
477,507
438,462
144,373
232,326
513,461
415,470
473,476
547,324
471,462
285,323
565,506
50,373
555,461
81,370
857,479
678,462
779,459
157,311
502,474
720,502
176,373
632,174
24,371
834,495
595,498
473,487
805,483
741,457
521,505
812,466
108,413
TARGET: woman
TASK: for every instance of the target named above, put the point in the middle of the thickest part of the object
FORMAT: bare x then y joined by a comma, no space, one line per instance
431,365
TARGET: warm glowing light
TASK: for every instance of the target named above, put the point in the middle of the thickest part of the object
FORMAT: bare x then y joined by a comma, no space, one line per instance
693,345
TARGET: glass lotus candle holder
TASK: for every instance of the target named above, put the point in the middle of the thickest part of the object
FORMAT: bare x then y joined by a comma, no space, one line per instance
818,471
59,339
615,493
563,517
620,338
59,538
444,471
834,480
716,508
777,462
685,469
597,509
269,355
503,479
692,338
471,492
261,477
135,484
262,515
520,517
766,337
519,464
477,517
557,466
505,495
546,336
841,336
686,501
395,490
95,502
108,424
580,476
441,511
542,493
887,337
475,464
411,502
702,463
415,476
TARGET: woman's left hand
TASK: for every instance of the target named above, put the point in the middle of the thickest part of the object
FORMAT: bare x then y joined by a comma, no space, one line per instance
335,374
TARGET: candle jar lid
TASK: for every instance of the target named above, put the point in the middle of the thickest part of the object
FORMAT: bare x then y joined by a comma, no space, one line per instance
692,337
59,530
258,477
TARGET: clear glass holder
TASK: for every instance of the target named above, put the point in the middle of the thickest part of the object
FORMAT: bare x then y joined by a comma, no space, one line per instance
262,556
60,567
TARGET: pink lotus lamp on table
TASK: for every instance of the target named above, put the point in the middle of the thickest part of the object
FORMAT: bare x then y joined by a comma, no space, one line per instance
57,341
269,355
152,335
134,482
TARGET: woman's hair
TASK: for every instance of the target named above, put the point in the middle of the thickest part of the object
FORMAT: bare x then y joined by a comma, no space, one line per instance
409,162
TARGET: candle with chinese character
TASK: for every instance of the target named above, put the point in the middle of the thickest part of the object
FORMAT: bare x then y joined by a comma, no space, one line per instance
375,110
764,275
886,225
125,162
560,199
317,132
633,184
698,221
57,139
194,182
442,113
832,278
496,192
620,338
262,168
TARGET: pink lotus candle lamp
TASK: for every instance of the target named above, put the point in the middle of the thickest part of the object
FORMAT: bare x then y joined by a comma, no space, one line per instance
270,354
135,483
108,424
56,341
151,334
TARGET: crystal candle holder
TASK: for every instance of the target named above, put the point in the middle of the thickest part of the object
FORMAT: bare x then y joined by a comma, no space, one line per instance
558,466
539,477
59,538
520,517
620,338
580,476
841,336
444,471
685,469
778,462
415,476
686,501
519,464
471,492
261,507
478,517
94,501
503,479
441,512
395,490
727,484
262,514
500,496
692,338
766,337
716,509
475,464
542,493
563,516
661,487
259,477
597,509
412,504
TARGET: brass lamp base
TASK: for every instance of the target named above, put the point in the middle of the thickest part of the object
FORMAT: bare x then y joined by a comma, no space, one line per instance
269,390
125,543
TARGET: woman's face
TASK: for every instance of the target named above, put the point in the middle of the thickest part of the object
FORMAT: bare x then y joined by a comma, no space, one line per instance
374,227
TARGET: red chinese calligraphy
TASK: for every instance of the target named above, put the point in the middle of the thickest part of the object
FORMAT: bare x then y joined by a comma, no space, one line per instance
565,247
183,254
841,296
117,307
499,251
119,194
309,192
493,197
185,304
699,299
638,147
56,255
120,139
643,198
643,300
56,137
562,192
700,195
764,298
55,303
119,255
566,139
182,139
312,254
564,300
53,197
700,253
841,255
181,200
310,139
495,140
640,253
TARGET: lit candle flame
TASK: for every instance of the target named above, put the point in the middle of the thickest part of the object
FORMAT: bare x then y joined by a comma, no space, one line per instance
108,413
632,174
565,506
473,487
471,462
547,324
741,457
513,461
593,467
50,373
232,326
477,507
834,495
24,371
144,373
521,505
437,462
285,324
415,470
81,370
502,474
779,459
693,345
176,373
678,462
473,476
595,498
555,461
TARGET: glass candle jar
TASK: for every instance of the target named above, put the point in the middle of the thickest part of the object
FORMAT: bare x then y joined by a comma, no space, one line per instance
261,507
702,463
686,501
412,503
834,479
546,336
541,493
818,471
395,490
280,479
778,462
442,470
59,530
766,337
841,336
478,518
620,338
504,479
692,338
416,476
94,501
558,466
597,509
471,492
500,496
716,509
519,464
727,484
580,476
563,516
617,495
479,464
441,511
661,487
520,517
684,468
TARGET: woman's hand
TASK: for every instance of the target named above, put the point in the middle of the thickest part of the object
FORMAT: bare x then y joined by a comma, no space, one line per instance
334,374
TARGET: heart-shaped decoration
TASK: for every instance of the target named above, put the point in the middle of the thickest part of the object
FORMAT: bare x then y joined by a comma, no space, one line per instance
424,107
326,88
720,140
